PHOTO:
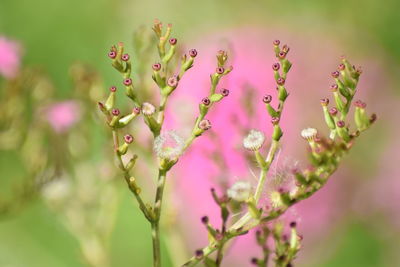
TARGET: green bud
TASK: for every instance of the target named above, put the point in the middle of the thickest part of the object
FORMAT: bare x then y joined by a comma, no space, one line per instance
277,133
216,97
328,118
110,101
123,149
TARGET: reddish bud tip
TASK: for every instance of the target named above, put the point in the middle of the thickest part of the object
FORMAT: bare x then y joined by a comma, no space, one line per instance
373,118
128,138
334,87
276,66
136,110
360,104
193,52
333,111
335,74
172,81
340,124
128,81
359,70
204,219
293,224
224,92
341,67
156,66
205,125
220,70
115,112
206,101
282,55
254,261
199,254
112,54
173,41
276,42
280,81
113,89
267,99
325,101
125,57
101,105
275,120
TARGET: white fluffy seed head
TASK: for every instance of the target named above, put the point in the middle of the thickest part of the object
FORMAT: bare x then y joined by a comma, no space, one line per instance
169,145
148,109
309,134
254,140
240,191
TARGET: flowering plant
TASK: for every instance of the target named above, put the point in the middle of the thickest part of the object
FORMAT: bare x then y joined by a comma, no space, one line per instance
324,153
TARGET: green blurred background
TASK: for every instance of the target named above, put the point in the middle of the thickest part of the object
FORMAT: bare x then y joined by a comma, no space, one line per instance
56,33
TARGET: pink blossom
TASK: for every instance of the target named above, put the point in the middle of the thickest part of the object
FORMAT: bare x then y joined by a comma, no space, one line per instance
10,54
63,115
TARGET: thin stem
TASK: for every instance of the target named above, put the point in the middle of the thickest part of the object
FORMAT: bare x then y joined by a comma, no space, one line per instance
155,225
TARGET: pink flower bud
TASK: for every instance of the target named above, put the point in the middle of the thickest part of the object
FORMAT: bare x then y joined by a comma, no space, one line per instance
206,101
173,41
340,124
276,42
293,224
282,55
267,99
113,89
360,104
276,66
335,74
333,111
199,254
173,81
275,120
112,54
115,112
341,67
205,125
128,138
204,219
128,81
193,52
334,87
136,110
220,70
224,92
325,101
125,57
280,81
156,66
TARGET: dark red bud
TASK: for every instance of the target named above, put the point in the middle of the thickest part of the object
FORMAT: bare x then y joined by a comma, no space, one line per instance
276,42
280,81
282,55
115,112
206,101
204,219
333,111
220,70
224,92
340,124
128,138
335,74
173,41
276,66
324,101
193,52
275,120
267,99
334,87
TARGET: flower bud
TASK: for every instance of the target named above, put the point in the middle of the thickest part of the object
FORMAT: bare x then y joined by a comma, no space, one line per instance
275,120
156,66
173,41
127,81
276,66
115,112
340,124
136,110
333,111
199,254
267,99
335,74
341,67
128,139
325,101
172,81
206,101
224,92
113,89
334,87
112,54
280,81
193,52
281,55
204,125
220,70
204,219
125,57
276,42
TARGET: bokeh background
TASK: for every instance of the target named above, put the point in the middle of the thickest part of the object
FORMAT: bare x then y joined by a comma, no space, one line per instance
360,220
